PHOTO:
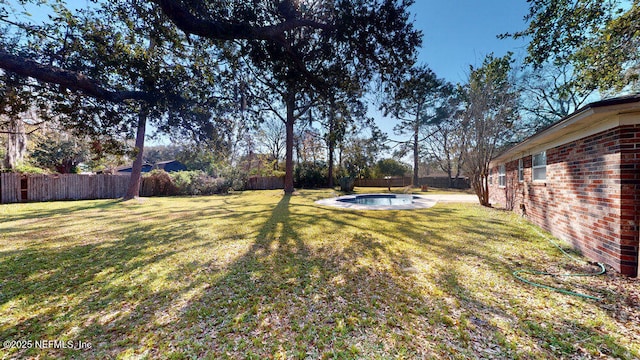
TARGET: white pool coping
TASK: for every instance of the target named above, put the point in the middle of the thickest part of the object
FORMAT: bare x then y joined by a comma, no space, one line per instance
419,202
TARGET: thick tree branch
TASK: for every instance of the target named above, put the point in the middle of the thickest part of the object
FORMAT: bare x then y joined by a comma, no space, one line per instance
68,79
186,21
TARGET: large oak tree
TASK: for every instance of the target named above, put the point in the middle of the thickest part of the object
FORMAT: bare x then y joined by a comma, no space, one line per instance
310,47
108,69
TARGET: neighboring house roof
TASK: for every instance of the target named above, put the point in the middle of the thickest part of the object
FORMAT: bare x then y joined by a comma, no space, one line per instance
127,169
169,166
589,120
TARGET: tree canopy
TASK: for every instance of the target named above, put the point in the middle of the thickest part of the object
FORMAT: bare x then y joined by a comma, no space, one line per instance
415,102
491,112
151,59
600,39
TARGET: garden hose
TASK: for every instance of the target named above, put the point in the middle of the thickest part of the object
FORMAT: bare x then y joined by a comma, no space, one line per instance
560,290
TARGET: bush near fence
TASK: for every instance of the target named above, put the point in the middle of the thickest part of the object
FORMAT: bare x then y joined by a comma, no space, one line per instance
161,183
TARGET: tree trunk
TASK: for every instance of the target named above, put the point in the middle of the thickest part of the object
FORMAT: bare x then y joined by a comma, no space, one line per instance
136,170
415,157
455,180
332,143
485,192
16,143
481,187
288,176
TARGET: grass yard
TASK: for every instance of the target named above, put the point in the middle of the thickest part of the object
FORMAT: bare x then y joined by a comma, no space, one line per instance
258,275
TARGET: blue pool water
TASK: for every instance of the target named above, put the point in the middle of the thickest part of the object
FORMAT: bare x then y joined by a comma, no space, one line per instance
379,199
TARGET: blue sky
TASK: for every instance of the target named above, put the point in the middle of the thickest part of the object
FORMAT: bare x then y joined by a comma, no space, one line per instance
459,33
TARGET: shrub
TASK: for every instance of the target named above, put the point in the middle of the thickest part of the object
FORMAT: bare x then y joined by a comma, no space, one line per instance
235,178
161,183
209,186
311,175
29,169
347,184
157,183
188,182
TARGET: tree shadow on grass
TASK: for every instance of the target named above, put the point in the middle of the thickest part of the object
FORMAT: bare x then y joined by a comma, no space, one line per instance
285,296
161,293
96,291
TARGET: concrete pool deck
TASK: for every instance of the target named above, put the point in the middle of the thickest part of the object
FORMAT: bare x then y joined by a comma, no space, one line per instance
419,202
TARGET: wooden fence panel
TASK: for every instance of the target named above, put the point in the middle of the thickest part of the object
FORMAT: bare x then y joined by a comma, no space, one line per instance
62,187
443,182
393,182
265,183
10,188
437,182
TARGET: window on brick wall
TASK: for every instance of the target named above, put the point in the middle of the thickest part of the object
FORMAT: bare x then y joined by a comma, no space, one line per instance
502,176
520,170
490,176
540,166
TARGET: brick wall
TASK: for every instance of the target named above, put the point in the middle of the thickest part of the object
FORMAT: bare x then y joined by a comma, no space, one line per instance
590,198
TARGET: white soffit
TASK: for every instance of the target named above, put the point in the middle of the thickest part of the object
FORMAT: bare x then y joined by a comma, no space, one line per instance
587,122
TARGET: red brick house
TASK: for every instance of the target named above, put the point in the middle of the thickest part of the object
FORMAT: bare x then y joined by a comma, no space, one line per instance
580,180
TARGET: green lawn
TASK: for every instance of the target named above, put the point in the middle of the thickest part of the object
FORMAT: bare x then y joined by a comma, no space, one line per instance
257,275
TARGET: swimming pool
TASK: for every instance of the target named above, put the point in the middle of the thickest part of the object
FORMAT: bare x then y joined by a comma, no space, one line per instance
379,199
379,202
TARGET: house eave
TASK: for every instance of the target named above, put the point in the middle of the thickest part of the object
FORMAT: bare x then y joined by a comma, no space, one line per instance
589,120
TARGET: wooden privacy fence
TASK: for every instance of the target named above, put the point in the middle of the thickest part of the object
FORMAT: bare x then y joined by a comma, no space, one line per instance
437,182
265,183
10,188
443,182
17,188
393,182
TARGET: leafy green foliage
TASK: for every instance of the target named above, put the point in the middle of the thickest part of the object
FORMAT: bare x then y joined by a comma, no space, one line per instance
161,183
60,155
19,107
416,101
25,168
154,154
199,183
600,39
137,57
157,183
347,184
198,158
390,167
309,175
234,177
359,154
